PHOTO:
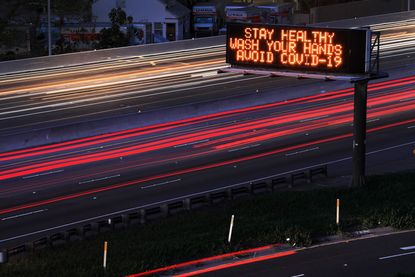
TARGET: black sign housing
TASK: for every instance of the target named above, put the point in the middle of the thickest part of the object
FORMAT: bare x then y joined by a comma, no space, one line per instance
298,48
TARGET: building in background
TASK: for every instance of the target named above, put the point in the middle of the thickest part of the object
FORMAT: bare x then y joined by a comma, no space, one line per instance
358,9
154,20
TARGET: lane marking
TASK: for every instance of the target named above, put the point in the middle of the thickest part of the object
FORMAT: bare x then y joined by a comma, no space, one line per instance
162,183
408,247
397,255
389,148
194,194
203,75
299,275
407,99
410,127
42,174
302,151
314,118
372,120
191,143
245,147
25,214
99,179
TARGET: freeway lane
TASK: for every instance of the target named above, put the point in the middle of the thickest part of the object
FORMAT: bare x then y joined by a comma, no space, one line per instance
202,138
251,130
380,256
323,116
383,156
103,89
49,77
140,84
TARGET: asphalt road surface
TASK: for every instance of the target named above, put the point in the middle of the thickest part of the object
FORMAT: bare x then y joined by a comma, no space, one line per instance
379,256
52,186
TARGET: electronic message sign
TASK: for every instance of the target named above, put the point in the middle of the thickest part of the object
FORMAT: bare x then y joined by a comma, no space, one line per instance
298,48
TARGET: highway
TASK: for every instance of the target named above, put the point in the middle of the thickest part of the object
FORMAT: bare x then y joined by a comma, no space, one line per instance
61,96
301,124
380,256
84,179
140,84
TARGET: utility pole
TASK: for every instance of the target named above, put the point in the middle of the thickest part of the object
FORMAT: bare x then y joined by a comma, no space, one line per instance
49,34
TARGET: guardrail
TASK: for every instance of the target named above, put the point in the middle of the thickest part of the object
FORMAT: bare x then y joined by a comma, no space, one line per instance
156,212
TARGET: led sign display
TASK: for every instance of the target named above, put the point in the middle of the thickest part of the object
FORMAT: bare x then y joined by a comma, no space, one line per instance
299,48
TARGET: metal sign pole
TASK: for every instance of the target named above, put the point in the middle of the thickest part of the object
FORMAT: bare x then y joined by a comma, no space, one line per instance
359,132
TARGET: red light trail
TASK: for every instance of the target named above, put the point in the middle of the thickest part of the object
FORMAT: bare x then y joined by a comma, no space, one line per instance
211,139
189,170
218,132
95,140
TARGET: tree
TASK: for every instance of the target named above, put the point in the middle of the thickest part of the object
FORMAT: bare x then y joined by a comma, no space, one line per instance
113,37
117,16
80,9
189,3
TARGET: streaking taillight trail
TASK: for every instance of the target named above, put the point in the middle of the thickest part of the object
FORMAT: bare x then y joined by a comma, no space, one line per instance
189,170
97,140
